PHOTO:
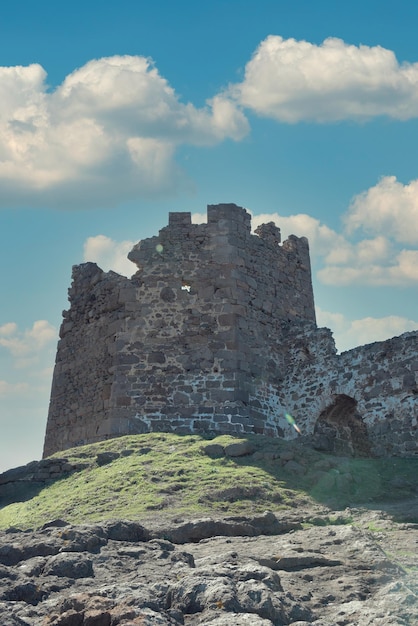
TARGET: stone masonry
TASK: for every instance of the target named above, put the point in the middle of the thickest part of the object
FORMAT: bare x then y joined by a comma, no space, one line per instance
216,333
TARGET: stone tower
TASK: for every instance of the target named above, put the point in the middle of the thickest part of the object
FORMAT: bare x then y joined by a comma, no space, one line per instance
185,344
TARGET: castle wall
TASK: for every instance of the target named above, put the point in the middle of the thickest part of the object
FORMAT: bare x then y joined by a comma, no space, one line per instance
82,380
216,332
381,378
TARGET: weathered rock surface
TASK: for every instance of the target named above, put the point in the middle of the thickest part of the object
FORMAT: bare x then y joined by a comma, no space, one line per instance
256,571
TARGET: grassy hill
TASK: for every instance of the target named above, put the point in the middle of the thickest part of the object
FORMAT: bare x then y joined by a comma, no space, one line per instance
167,475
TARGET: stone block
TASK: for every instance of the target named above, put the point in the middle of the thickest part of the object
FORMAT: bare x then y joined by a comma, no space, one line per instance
127,295
222,395
156,357
213,450
205,410
294,467
104,458
201,425
242,448
123,358
227,319
180,398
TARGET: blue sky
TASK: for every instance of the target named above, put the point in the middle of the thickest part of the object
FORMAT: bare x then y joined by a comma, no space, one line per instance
114,114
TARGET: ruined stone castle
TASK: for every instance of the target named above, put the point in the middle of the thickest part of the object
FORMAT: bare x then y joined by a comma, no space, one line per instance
216,333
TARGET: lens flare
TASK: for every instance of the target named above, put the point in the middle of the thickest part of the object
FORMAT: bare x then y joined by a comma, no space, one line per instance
291,421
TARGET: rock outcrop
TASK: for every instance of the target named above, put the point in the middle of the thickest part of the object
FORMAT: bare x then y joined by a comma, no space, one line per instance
256,571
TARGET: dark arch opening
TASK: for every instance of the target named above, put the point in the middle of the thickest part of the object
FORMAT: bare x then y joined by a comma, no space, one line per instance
340,429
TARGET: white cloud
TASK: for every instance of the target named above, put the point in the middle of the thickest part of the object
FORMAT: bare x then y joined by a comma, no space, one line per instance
398,271
291,80
108,133
26,346
109,254
388,207
11,389
337,260
364,252
199,218
321,237
388,210
8,329
351,333
227,120
129,92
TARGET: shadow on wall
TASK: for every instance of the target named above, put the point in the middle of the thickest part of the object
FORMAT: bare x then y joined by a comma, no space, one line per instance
340,429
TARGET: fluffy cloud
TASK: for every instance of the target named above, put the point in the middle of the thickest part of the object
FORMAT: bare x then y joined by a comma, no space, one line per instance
199,218
6,330
7,388
109,254
351,333
26,346
108,133
291,80
338,260
388,207
389,211
321,237
400,270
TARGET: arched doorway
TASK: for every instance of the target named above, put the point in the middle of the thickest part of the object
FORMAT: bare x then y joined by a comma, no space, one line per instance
340,429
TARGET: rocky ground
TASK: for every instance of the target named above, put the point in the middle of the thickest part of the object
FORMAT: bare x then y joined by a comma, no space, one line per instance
307,566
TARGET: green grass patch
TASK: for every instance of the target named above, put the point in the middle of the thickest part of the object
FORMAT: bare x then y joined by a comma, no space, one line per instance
158,472
171,474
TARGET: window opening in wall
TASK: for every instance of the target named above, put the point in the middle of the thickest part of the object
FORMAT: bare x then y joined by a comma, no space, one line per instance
185,285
